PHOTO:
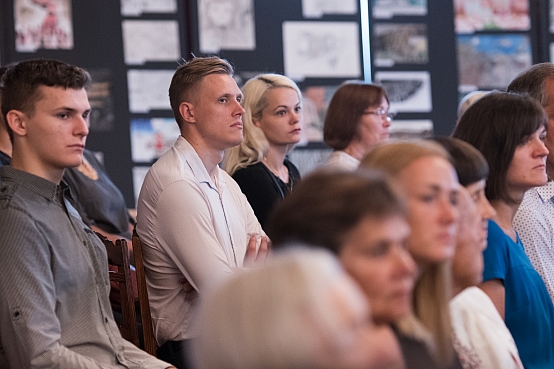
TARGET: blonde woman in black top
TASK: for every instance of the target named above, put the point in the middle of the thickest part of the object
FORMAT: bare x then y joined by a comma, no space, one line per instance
272,125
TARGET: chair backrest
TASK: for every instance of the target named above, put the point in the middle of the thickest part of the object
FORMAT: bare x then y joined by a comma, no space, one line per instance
118,256
150,344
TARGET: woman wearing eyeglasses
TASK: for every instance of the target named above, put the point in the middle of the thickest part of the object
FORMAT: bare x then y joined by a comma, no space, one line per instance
358,119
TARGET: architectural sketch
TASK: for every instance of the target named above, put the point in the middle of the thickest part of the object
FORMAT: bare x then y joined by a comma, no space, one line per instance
150,138
148,89
478,15
390,8
407,91
400,43
43,24
410,129
150,40
486,62
226,24
316,8
321,49
137,7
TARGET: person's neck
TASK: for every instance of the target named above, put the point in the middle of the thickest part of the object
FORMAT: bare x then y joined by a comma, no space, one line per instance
210,157
550,170
457,287
5,143
356,149
27,164
274,160
504,217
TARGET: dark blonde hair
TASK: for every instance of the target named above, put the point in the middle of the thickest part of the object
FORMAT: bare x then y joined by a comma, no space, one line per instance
433,288
188,76
327,204
254,146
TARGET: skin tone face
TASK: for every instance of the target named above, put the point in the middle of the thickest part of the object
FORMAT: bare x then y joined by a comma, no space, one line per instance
375,254
216,113
281,118
549,141
368,346
53,137
432,187
528,166
549,108
475,210
374,129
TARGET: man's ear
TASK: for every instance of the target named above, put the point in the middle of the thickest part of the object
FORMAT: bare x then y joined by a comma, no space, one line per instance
186,110
17,121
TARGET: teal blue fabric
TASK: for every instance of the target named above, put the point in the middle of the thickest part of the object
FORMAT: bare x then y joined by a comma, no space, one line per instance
529,313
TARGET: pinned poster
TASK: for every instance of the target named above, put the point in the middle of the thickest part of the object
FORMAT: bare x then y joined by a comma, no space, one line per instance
43,24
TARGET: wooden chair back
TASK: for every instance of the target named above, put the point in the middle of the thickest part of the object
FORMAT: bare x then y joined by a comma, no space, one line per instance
118,256
150,344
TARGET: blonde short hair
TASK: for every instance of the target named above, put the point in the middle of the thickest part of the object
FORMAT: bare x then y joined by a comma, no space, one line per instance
280,316
254,146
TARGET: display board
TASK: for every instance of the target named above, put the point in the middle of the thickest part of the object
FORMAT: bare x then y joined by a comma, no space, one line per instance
132,47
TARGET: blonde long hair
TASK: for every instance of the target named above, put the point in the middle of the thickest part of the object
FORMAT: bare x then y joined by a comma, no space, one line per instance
255,145
433,288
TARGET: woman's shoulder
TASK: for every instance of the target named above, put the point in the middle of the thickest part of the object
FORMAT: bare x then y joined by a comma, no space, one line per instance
249,169
293,170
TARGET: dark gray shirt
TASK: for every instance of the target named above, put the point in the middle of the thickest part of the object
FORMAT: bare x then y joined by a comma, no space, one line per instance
54,284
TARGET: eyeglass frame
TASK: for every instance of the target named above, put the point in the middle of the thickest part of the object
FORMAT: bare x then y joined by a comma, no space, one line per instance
380,113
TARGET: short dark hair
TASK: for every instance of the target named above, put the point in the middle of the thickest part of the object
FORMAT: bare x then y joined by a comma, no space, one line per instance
187,77
471,166
20,83
327,204
496,125
345,109
3,69
532,82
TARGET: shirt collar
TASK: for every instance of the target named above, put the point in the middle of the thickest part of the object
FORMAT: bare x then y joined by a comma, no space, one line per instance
196,165
546,192
39,185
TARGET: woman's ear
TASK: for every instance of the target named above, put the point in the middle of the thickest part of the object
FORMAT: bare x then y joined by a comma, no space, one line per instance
256,122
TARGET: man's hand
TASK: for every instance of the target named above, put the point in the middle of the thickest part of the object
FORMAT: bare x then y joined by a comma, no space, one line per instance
256,256
190,292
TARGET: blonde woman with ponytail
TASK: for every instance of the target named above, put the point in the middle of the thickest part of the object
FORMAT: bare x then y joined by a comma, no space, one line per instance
271,126
431,186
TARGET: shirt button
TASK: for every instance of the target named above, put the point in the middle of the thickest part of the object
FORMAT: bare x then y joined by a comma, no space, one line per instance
106,320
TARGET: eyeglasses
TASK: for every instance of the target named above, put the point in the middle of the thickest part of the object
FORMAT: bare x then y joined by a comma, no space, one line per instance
380,113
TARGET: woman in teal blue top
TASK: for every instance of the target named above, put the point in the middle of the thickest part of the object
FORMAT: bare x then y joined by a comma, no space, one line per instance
509,130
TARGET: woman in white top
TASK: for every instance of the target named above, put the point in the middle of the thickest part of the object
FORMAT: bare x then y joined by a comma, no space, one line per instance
481,338
358,119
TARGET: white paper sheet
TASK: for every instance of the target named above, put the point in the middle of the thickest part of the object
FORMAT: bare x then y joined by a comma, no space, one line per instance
150,138
226,24
409,129
138,178
316,8
321,49
390,8
407,91
148,89
150,40
137,7
43,25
